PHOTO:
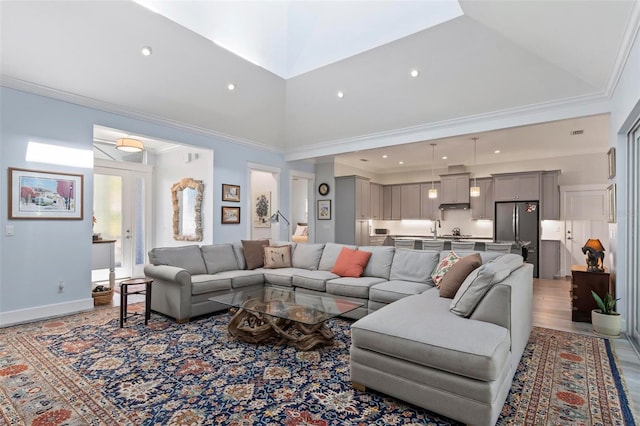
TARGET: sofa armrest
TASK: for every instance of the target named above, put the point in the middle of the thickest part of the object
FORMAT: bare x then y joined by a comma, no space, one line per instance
509,304
171,291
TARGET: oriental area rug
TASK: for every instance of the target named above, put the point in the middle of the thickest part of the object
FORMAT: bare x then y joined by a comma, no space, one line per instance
85,370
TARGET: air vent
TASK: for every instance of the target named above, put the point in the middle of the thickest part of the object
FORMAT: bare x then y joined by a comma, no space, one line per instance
576,132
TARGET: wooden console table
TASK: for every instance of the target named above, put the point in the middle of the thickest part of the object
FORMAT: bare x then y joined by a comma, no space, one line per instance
582,282
104,258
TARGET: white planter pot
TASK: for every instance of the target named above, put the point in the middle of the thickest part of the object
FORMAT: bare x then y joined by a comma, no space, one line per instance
608,325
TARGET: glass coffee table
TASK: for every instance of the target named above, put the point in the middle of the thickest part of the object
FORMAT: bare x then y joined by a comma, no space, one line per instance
283,315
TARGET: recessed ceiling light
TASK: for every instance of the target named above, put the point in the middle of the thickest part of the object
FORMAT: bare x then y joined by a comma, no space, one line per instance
385,156
445,157
231,86
497,151
146,51
340,95
414,73
400,162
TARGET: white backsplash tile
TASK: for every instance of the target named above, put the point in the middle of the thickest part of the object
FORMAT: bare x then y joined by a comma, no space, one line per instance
450,219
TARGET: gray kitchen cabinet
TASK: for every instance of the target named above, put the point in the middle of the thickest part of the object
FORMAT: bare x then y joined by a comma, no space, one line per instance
376,201
549,259
482,206
429,206
392,196
517,186
455,188
550,202
352,210
410,201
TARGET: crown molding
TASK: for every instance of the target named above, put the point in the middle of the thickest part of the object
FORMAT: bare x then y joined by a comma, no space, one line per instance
580,106
36,89
626,45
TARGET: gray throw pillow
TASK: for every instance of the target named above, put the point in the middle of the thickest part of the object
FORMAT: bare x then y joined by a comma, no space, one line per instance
476,285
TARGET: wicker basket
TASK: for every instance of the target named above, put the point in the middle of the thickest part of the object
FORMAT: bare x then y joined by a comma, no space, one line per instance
102,297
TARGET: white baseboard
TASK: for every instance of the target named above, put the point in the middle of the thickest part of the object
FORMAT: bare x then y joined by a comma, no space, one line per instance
43,312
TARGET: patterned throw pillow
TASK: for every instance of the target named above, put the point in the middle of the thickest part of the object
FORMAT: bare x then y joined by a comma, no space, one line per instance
277,257
443,267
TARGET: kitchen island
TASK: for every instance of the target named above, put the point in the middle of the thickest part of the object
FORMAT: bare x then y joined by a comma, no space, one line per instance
516,247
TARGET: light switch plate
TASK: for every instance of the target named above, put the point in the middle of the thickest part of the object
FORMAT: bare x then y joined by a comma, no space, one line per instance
8,230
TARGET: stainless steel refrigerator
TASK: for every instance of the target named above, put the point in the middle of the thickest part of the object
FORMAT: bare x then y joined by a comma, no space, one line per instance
519,223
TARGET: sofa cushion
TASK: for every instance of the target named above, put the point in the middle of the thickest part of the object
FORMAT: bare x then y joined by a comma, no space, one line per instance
456,275
444,265
281,277
352,287
476,285
380,263
276,257
307,256
243,278
185,257
313,280
351,263
253,254
204,283
219,258
239,252
414,265
330,254
451,343
390,291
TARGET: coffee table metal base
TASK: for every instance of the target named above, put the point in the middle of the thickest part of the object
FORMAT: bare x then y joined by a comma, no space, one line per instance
255,327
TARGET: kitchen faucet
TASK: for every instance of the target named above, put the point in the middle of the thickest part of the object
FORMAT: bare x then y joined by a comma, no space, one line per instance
435,228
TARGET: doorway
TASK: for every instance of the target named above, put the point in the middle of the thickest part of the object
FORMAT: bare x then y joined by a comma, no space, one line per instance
264,201
302,202
122,196
586,216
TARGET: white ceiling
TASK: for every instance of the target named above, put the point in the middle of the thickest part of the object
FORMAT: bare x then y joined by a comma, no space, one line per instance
290,38
530,61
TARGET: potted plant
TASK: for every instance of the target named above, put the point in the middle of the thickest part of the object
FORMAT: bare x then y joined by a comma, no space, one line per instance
605,320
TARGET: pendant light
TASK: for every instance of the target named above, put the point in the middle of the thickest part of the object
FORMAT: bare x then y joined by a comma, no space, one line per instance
433,192
474,191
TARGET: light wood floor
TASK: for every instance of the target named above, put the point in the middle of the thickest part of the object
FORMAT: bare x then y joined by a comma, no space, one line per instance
552,309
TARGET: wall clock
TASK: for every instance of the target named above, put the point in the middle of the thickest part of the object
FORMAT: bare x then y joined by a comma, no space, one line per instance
323,189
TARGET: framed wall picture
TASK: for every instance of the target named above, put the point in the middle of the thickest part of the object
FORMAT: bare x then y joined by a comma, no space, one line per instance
262,209
324,209
231,193
35,194
230,215
611,201
611,158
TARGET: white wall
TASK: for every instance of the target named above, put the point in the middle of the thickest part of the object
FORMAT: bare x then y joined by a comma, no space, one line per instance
171,167
573,170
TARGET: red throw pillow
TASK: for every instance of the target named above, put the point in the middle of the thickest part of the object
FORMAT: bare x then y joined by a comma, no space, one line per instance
351,263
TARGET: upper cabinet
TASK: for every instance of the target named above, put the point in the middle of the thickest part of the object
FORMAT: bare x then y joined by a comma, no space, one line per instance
392,196
455,188
410,201
376,201
429,207
482,206
550,203
517,186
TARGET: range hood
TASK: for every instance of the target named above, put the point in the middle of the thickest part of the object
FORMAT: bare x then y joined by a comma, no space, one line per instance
455,206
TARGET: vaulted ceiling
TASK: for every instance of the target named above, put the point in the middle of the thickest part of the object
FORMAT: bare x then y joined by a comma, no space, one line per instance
499,59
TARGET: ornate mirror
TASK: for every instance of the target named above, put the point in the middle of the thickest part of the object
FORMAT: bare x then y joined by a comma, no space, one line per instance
186,197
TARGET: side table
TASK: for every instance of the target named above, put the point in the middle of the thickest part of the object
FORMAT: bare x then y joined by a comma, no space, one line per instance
582,282
124,293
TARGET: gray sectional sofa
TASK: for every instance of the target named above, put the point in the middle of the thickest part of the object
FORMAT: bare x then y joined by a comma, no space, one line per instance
455,356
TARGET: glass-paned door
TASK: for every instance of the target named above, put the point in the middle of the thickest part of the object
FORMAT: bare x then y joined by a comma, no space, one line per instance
120,207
